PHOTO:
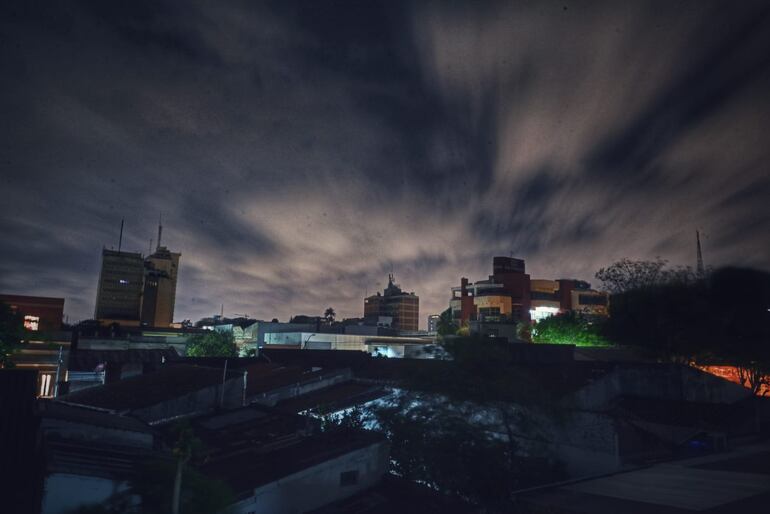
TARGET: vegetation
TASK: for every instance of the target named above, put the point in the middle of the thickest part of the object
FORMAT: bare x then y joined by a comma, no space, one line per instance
479,409
329,315
719,318
12,334
212,344
569,328
446,324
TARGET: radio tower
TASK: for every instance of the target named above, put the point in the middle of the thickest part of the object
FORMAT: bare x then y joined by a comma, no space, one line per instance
700,255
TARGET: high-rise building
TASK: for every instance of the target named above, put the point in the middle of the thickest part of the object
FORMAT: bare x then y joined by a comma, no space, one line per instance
402,307
119,293
137,291
160,288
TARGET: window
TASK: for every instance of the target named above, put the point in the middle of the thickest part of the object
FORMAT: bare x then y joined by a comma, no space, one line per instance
45,385
32,323
349,477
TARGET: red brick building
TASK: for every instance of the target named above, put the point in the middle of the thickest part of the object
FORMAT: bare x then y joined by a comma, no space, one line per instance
40,313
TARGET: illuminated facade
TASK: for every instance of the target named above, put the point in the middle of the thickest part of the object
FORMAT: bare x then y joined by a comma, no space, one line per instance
510,296
403,307
550,297
503,297
119,293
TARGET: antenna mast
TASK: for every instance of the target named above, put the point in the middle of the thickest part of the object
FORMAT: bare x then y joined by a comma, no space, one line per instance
120,240
700,255
160,228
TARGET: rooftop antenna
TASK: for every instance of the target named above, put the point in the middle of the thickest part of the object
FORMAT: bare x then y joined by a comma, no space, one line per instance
160,228
700,255
149,252
120,240
222,312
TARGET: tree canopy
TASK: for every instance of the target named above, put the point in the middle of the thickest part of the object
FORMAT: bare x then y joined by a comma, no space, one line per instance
569,328
212,344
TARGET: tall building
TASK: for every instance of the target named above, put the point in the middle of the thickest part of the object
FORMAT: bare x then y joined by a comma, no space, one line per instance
137,291
403,307
119,293
159,294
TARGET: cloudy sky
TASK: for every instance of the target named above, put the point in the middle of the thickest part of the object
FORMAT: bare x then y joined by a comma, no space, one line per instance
300,151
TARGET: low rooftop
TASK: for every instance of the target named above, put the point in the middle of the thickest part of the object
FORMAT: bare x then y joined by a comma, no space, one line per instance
722,483
150,389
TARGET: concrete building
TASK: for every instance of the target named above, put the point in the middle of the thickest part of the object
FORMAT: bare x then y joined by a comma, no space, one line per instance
159,295
40,313
402,307
549,297
119,293
433,321
386,346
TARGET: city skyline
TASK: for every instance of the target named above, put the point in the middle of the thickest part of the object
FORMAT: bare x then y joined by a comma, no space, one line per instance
299,154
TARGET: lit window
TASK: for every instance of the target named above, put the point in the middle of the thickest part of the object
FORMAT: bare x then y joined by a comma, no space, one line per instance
45,385
122,281
32,323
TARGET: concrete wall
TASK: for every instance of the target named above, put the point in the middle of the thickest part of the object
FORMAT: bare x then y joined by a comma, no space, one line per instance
318,485
95,434
662,381
64,492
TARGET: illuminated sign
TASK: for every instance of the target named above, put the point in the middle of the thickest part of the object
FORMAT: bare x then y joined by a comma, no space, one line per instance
32,323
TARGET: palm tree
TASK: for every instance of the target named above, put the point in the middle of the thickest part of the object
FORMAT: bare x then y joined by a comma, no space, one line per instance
329,315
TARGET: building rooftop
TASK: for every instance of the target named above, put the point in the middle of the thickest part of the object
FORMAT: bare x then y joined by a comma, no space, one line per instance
334,398
88,360
253,467
150,389
53,409
721,483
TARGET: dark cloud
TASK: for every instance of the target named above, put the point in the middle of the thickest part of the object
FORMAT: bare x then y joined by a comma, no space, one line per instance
300,151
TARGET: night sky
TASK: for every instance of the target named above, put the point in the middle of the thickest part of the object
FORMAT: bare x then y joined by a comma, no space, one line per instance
300,151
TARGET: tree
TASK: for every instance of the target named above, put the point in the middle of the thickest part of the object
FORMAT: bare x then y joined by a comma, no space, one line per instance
212,344
12,334
446,325
569,328
625,275
457,426
329,315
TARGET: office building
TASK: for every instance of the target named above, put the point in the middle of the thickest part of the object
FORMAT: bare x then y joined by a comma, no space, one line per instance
119,293
402,307
159,295
134,290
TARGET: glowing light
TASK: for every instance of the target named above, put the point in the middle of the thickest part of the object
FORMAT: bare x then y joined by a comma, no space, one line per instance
539,313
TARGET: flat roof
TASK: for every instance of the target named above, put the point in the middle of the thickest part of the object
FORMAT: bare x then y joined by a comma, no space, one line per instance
727,482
